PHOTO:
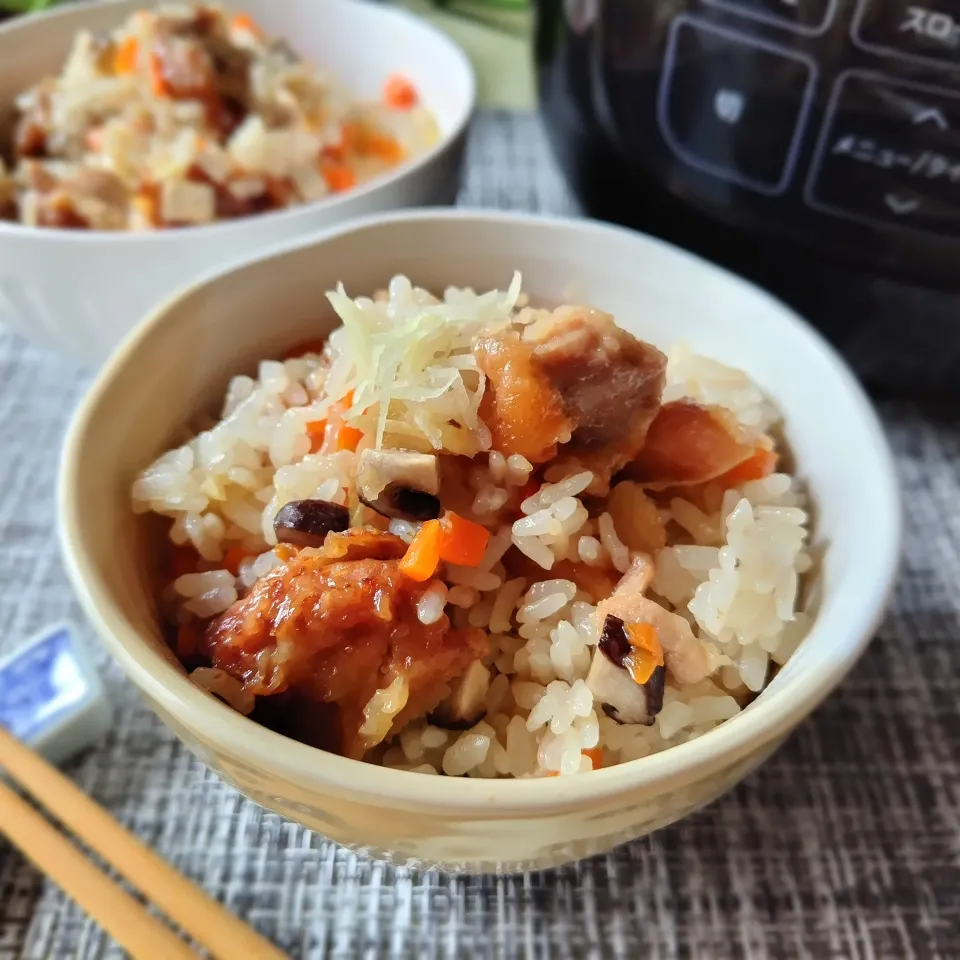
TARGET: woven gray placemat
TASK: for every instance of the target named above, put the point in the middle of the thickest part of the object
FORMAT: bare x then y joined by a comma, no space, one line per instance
844,846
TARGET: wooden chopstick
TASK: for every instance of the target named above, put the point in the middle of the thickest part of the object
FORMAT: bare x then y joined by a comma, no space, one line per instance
198,914
116,911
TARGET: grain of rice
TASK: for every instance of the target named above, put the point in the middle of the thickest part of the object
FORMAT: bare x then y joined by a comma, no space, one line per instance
489,500
542,609
589,729
479,613
590,551
561,752
521,747
382,707
227,688
411,743
431,603
518,470
716,709
673,718
538,524
498,544
527,694
704,529
460,596
195,584
752,666
618,553
534,549
505,603
498,466
211,602
550,493
569,654
469,751
404,529
497,694
482,580
545,588
433,738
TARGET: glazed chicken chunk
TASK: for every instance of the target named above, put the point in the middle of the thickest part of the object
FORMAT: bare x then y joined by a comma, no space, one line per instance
338,625
575,379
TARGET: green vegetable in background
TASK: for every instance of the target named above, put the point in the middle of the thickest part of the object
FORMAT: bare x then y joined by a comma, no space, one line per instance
25,6
511,16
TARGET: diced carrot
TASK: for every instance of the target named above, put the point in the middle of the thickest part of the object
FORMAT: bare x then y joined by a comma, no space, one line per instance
647,653
399,93
422,558
596,756
244,23
334,153
316,431
188,639
760,465
125,59
462,542
339,177
232,559
381,145
285,551
183,560
147,201
158,83
348,438
302,349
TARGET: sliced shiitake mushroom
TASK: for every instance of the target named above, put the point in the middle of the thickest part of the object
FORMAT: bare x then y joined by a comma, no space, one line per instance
611,681
467,704
306,523
399,484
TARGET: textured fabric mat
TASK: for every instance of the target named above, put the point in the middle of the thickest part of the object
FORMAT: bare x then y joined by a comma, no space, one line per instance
844,846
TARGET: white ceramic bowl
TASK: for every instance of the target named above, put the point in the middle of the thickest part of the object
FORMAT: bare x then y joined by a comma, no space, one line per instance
80,292
177,363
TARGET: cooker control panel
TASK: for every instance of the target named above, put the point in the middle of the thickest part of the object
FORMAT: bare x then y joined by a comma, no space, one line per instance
800,16
848,110
889,152
714,115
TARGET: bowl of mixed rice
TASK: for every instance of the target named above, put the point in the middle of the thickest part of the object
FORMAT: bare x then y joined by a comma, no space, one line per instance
505,540
144,144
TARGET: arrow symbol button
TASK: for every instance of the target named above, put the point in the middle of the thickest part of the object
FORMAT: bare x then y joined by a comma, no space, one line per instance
901,205
930,115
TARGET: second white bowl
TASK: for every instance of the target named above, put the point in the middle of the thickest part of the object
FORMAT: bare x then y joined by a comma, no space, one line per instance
79,292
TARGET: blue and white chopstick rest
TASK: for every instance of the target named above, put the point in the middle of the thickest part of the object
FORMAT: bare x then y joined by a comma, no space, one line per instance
51,697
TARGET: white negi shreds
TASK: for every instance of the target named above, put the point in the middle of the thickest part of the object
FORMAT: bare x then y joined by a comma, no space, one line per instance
463,535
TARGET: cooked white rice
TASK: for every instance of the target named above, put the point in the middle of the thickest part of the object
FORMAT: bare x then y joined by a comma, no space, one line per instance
734,574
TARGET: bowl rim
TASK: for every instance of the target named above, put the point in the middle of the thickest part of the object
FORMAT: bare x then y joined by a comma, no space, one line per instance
769,718
462,120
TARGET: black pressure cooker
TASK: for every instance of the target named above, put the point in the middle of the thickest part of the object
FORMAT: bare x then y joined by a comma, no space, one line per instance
811,145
